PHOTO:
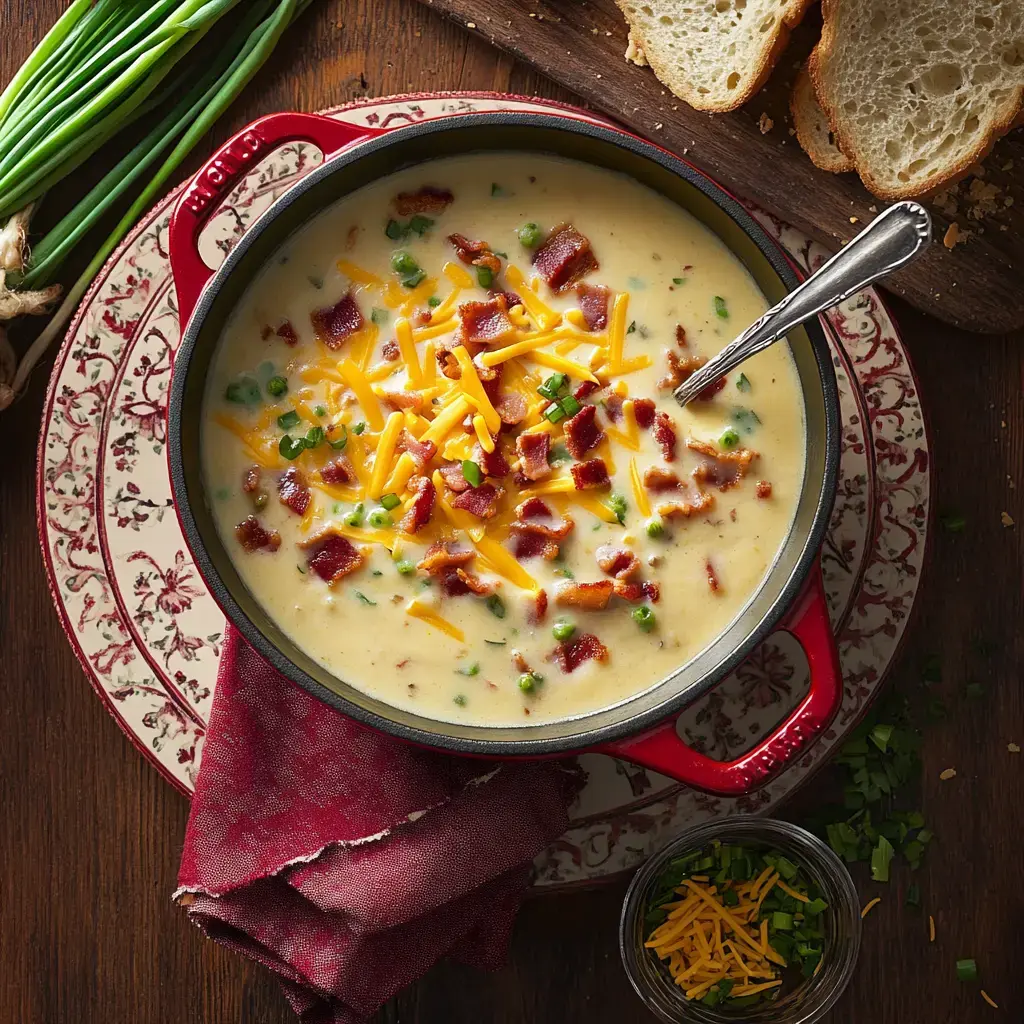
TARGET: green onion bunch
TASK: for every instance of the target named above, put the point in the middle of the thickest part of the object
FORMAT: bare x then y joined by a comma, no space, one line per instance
104,65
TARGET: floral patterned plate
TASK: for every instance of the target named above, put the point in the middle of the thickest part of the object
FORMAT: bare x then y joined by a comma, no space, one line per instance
148,634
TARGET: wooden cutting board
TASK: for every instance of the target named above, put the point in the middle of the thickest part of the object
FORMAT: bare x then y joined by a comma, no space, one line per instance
580,44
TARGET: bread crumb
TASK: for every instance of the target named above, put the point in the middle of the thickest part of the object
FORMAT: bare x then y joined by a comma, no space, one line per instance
983,198
470,24
765,123
855,220
872,208
634,52
1013,748
1006,519
658,127
952,235
947,774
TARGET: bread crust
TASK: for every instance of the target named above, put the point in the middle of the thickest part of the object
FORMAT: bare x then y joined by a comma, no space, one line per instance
1014,116
792,17
802,105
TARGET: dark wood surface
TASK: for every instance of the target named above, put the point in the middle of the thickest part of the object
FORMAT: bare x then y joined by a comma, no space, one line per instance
580,44
91,835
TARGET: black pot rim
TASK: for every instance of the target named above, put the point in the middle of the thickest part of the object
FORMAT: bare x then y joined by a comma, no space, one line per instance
572,741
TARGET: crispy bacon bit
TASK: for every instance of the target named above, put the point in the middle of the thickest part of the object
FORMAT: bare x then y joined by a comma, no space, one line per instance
287,333
618,562
613,407
490,380
537,609
593,299
456,582
427,199
333,324
491,463
702,502
511,407
485,322
535,535
533,545
591,597
334,557
713,583
338,471
519,663
582,432
439,556
252,536
421,451
481,502
402,400
721,469
251,479
764,489
707,393
658,480
636,592
422,505
643,411
665,435
680,369
511,299
564,257
533,508
585,390
477,254
681,336
454,478
448,364
583,648
294,490
533,452
591,475
391,352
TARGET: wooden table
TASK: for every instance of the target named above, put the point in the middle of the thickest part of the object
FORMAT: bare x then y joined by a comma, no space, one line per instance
91,834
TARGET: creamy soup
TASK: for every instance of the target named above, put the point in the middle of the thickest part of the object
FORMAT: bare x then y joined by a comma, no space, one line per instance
441,447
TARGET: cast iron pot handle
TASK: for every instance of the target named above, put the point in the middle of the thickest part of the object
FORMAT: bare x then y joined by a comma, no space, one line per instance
662,750
215,179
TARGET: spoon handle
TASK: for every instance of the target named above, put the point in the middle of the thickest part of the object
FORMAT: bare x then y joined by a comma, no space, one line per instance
891,240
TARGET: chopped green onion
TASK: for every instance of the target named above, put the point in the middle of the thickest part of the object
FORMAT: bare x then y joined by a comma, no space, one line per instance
880,736
469,670
419,224
243,392
551,387
678,280
570,406
631,328
413,279
617,503
434,301
782,922
815,907
565,574
496,606
729,439
390,501
277,386
554,413
380,517
320,410
644,618
966,970
786,868
460,699
655,528
338,443
731,898
314,437
562,630
484,277
379,316
496,643
471,473
720,308
358,428
742,383
530,235
396,230
404,263
291,447
355,517
364,599
405,567
288,419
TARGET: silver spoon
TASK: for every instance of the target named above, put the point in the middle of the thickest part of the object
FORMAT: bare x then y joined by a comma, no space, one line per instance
892,240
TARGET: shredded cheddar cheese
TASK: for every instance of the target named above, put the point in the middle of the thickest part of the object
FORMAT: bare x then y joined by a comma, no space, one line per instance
639,493
356,380
418,610
406,345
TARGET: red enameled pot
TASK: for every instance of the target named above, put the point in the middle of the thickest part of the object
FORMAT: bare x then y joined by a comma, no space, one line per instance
642,728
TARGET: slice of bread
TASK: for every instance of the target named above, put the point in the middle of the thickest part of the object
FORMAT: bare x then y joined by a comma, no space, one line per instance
917,93
713,54
813,131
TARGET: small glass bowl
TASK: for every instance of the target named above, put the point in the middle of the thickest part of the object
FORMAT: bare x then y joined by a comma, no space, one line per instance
807,1002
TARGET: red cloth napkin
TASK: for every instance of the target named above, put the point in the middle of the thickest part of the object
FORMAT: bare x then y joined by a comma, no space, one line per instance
347,861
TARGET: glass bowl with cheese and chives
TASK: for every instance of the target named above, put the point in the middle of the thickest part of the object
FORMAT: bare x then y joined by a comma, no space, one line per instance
742,919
